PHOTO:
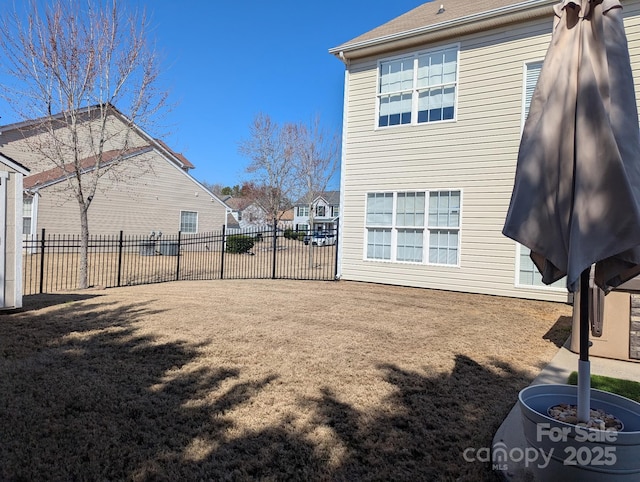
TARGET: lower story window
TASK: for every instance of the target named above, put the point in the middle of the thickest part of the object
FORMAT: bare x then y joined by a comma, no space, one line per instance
528,274
189,221
379,243
27,214
414,227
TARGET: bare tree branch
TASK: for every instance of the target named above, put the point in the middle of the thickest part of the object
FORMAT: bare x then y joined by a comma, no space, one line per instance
71,61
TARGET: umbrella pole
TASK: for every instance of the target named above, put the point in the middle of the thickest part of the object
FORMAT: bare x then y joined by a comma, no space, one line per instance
584,366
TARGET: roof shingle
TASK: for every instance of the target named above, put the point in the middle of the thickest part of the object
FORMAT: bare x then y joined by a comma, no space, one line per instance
427,15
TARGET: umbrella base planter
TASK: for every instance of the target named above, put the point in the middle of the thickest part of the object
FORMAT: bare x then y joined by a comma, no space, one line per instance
570,452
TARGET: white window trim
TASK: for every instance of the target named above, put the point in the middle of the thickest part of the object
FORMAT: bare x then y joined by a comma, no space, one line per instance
523,106
414,98
425,229
517,284
197,221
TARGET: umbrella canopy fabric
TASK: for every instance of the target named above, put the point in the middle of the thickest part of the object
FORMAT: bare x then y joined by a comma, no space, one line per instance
576,197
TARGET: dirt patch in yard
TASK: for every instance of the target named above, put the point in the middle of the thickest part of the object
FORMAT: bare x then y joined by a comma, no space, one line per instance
269,380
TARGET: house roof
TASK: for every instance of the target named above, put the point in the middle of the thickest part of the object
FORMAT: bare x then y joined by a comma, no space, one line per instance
175,157
57,174
286,215
238,203
331,197
13,164
437,15
180,156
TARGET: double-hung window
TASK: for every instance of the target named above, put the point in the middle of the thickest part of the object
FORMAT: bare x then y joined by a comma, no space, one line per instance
303,211
189,221
419,88
414,227
444,227
27,214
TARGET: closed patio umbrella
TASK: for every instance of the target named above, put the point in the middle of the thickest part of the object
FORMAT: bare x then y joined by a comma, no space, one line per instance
576,197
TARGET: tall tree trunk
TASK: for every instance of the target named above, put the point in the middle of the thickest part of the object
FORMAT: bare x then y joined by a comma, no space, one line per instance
83,268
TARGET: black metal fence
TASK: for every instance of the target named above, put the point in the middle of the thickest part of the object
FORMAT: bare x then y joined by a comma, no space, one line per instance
51,262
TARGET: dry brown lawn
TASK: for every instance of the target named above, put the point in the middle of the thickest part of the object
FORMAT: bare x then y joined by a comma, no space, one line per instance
267,380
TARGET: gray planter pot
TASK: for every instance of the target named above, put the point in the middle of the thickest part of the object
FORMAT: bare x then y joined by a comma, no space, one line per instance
571,453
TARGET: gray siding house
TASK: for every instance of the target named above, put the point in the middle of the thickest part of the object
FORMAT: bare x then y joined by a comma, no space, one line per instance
326,213
435,101
150,190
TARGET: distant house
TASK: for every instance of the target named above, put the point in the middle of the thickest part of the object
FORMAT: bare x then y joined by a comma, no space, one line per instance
326,212
11,179
435,101
149,190
285,219
247,213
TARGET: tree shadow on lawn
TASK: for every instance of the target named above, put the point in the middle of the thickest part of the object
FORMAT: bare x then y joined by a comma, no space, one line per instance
84,396
434,420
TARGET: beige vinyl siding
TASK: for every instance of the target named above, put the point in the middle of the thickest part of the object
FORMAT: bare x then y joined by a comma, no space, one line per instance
146,200
476,154
14,144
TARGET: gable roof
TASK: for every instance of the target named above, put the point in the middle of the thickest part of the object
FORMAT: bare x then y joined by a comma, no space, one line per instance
187,164
13,164
442,16
238,203
175,157
57,174
331,198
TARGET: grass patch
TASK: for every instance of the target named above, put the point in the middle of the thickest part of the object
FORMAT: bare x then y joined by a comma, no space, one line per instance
625,388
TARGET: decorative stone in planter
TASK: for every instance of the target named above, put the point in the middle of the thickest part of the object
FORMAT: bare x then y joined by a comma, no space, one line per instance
569,452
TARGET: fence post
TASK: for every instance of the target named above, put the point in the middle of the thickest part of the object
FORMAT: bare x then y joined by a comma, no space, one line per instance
178,257
275,247
42,246
120,259
222,253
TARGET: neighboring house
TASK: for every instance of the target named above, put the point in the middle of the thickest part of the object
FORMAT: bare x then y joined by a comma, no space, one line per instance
326,212
151,190
435,101
285,219
11,179
247,213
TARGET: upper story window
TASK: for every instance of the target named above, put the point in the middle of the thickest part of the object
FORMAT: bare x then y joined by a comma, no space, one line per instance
418,88
303,210
320,210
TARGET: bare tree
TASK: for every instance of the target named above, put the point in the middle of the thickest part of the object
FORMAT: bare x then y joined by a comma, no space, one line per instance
72,61
317,159
271,148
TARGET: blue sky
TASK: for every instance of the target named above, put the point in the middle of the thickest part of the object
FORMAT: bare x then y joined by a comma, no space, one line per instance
224,62
227,61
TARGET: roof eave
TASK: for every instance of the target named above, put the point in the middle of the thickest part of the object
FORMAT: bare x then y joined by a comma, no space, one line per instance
529,10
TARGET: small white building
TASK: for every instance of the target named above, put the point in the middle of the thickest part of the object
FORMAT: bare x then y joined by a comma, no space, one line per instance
11,182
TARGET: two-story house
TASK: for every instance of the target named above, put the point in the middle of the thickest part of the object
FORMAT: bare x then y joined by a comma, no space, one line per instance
326,212
435,101
148,186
